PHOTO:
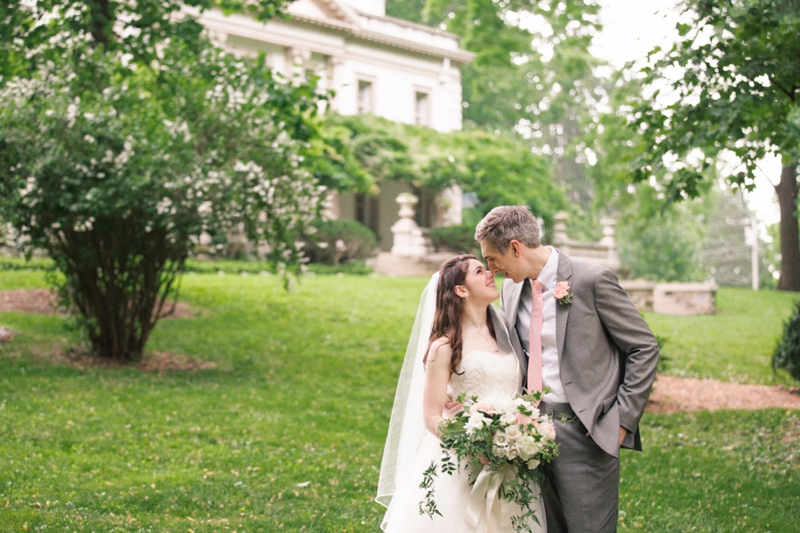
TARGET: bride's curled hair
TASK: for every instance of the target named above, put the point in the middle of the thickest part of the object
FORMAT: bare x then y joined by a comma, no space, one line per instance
447,321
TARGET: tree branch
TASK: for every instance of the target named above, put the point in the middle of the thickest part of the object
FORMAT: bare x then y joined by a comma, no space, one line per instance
101,20
788,93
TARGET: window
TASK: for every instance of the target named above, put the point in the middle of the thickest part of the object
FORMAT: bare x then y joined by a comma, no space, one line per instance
421,109
364,97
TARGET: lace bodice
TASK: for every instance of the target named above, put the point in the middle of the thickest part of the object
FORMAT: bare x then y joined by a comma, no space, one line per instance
487,375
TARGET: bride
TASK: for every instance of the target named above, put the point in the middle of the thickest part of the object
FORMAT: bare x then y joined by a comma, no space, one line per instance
458,344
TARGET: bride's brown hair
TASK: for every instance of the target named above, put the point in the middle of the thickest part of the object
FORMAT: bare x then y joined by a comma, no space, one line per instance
450,308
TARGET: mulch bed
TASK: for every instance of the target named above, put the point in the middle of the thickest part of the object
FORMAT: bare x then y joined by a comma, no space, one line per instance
156,362
44,301
673,394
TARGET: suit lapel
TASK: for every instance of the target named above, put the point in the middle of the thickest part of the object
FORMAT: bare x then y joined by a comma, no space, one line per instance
514,296
562,311
513,307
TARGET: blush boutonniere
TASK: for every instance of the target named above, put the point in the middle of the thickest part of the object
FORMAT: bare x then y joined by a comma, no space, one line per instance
562,294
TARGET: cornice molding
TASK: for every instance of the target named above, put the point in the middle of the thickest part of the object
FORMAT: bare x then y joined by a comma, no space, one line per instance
460,56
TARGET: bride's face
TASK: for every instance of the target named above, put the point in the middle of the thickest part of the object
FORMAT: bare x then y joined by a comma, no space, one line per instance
479,283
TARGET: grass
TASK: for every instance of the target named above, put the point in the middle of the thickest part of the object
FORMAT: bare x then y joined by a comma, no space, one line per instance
204,266
736,344
715,472
286,434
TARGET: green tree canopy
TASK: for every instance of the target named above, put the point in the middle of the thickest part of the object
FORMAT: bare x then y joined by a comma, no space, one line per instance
497,168
54,30
737,92
533,74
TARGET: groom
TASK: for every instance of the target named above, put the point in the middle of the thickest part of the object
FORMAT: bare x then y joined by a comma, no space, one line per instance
584,340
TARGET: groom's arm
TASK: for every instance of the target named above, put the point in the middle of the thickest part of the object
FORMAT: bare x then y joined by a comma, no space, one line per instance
632,335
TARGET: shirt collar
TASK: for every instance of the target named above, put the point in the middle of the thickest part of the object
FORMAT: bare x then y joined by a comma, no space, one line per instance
547,276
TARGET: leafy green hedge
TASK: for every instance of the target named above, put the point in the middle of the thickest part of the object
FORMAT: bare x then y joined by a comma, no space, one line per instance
458,239
340,241
787,352
204,266
18,263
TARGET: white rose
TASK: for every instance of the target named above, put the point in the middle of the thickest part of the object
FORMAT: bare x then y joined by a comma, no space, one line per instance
476,421
547,429
512,454
527,447
508,419
519,402
478,417
499,452
513,432
533,463
500,439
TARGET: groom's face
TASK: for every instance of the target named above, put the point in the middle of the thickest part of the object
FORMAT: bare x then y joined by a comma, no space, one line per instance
505,263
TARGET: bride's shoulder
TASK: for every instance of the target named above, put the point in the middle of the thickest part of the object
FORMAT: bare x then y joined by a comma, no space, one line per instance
440,348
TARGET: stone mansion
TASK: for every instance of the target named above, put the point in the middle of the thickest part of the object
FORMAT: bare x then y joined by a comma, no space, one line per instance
395,69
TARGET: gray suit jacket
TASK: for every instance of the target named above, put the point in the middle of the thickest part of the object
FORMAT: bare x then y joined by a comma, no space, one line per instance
607,353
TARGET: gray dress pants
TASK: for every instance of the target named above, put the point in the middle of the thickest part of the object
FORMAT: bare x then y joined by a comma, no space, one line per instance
581,488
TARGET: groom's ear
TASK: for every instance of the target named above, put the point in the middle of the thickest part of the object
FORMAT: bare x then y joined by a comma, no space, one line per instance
516,248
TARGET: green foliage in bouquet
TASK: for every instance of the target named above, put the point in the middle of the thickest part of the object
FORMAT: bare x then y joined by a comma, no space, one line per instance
787,352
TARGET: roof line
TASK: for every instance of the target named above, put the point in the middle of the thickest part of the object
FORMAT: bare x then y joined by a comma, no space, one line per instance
462,56
409,24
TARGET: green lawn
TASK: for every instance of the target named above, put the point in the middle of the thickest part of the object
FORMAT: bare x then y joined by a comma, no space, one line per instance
736,344
286,434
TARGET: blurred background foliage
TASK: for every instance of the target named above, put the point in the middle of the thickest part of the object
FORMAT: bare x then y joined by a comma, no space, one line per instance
535,79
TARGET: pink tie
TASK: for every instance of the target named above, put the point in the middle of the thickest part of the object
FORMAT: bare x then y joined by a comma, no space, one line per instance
535,339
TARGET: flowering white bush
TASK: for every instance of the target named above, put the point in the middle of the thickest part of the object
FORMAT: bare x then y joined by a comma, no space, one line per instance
114,164
502,437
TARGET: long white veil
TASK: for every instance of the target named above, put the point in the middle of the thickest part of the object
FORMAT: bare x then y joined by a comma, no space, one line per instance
407,432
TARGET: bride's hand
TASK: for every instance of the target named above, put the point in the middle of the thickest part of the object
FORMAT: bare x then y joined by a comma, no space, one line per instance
452,408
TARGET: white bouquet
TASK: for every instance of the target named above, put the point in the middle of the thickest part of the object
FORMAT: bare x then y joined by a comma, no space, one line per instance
501,442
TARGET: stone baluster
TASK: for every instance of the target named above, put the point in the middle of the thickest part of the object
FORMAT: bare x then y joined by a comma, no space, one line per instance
608,240
560,238
408,240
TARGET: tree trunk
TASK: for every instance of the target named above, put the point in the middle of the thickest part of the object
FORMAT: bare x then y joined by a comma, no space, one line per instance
101,21
790,236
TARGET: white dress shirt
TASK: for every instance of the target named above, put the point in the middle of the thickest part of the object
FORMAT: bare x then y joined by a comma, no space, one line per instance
551,376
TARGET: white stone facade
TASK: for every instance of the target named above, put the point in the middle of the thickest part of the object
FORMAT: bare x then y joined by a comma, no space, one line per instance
395,69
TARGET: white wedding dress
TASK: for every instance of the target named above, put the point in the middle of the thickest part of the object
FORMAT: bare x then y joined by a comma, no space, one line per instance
486,375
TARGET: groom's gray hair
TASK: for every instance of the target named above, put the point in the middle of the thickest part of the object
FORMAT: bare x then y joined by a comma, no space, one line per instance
506,223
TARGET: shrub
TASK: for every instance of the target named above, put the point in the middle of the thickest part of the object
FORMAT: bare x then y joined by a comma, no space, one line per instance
458,239
787,352
208,266
113,171
354,268
340,241
20,263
